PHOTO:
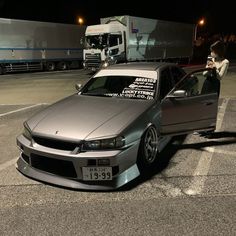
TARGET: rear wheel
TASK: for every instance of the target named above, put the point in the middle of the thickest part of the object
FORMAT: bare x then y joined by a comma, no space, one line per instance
50,66
148,148
2,70
62,65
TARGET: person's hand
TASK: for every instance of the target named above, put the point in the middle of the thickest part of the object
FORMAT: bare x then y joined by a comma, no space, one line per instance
211,64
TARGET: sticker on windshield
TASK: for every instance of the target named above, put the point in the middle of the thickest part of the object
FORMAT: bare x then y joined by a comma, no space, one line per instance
143,88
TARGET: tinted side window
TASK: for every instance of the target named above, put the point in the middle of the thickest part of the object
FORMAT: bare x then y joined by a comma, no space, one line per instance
199,83
113,40
177,74
165,83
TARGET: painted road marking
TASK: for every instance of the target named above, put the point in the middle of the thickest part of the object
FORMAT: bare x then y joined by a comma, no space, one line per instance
7,164
203,166
211,149
221,113
18,104
22,109
44,73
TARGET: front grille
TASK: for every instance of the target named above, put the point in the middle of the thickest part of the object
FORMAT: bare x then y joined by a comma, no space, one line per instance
93,60
56,144
53,166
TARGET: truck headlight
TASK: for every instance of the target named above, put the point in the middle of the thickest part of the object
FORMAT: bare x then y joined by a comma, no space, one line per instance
105,64
104,144
109,61
27,132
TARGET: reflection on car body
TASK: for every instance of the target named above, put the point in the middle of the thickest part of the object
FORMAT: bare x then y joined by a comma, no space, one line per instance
102,137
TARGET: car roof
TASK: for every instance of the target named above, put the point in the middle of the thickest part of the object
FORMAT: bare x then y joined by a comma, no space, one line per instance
150,66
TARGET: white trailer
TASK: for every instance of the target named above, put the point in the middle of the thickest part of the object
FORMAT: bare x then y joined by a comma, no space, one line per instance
31,45
128,38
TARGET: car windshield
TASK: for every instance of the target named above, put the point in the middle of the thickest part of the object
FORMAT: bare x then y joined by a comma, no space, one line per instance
96,41
130,87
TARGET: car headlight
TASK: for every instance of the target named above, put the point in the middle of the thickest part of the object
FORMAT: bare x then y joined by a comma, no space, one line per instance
104,144
27,132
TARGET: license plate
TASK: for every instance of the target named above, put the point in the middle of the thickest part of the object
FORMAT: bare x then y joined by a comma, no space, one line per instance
97,173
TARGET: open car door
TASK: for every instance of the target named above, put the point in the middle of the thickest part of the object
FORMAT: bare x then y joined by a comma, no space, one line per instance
192,105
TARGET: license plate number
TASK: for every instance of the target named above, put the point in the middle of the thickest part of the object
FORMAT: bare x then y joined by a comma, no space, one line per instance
97,173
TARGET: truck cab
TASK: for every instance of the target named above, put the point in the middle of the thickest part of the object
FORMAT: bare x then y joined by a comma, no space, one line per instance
104,45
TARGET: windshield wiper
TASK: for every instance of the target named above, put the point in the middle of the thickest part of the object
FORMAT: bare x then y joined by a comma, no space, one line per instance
95,94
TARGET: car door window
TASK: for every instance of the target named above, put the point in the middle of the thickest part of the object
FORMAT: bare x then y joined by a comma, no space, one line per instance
199,83
177,74
165,83
189,107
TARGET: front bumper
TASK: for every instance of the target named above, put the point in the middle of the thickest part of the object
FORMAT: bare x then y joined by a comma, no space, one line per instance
38,162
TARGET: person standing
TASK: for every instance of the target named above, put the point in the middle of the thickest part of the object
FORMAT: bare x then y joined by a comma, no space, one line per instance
218,62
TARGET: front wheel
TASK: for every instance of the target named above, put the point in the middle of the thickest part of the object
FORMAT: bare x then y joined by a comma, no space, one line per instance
148,148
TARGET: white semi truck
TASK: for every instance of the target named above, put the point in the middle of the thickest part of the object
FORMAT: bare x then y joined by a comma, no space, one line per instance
31,45
128,38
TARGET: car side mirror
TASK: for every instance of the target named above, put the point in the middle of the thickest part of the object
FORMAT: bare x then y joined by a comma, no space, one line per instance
178,94
78,87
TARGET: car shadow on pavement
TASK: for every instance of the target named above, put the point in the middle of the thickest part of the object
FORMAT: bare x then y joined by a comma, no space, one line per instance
212,140
220,139
223,134
161,164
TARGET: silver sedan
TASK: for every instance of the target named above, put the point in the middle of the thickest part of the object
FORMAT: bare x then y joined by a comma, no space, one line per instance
116,125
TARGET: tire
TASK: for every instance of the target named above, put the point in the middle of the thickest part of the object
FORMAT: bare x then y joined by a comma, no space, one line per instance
148,148
50,66
62,65
2,70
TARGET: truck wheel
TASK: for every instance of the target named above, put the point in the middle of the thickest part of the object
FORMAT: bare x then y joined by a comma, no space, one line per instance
2,70
148,149
50,66
62,65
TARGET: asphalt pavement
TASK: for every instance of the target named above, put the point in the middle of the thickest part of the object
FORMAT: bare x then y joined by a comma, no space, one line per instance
190,191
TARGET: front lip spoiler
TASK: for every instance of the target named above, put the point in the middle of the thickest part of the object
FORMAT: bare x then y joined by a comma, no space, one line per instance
116,183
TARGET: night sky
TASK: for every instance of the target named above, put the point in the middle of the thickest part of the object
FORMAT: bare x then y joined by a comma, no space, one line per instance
219,17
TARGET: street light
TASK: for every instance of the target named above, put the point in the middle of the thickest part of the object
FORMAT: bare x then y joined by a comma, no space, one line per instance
80,20
200,23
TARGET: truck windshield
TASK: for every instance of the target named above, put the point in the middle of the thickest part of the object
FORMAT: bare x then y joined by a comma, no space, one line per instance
96,41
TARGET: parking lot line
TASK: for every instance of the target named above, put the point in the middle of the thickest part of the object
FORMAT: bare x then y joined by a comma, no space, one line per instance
7,164
22,109
200,173
211,149
221,113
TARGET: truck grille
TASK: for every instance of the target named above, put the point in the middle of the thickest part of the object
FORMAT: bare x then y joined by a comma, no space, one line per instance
93,60
56,144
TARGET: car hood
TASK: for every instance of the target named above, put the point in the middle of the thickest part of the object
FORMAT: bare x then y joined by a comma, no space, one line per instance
78,117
